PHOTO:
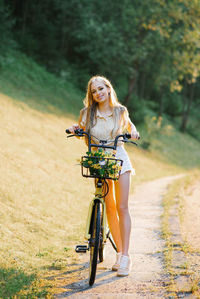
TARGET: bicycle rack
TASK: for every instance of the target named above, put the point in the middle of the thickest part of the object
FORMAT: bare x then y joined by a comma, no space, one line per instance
81,248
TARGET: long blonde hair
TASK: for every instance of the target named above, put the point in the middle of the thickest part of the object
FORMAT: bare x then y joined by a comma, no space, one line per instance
120,113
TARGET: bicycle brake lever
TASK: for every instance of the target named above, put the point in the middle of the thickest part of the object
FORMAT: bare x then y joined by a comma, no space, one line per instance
133,142
77,135
129,141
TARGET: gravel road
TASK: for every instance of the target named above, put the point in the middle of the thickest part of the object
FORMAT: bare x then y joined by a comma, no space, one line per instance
147,278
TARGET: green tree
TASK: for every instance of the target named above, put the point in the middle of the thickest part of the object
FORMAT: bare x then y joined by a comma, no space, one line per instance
148,48
6,25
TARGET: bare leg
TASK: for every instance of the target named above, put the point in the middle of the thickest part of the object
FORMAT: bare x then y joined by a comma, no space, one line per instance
122,193
112,217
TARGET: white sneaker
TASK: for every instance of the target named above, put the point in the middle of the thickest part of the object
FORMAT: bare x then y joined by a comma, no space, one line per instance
115,267
125,266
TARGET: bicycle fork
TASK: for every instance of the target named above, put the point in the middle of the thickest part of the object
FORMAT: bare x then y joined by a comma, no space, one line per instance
98,197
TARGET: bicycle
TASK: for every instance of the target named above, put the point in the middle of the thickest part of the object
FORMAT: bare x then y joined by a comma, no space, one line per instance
109,168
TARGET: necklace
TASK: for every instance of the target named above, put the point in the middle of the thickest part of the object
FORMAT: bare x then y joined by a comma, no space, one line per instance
104,115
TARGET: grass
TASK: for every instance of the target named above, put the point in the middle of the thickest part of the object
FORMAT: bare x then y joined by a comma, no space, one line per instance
15,281
169,144
175,196
26,81
43,198
39,190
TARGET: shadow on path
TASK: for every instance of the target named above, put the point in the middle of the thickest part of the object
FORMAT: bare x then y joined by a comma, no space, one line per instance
69,285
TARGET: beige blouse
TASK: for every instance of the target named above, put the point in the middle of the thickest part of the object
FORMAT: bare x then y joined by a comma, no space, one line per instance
104,126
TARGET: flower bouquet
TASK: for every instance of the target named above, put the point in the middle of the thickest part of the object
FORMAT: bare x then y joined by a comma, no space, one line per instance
101,164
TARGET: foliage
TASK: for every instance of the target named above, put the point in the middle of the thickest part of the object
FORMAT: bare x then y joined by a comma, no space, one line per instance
102,164
137,109
154,128
179,35
151,46
173,104
7,23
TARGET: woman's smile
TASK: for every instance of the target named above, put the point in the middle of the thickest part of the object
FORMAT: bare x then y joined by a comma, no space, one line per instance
99,92
100,97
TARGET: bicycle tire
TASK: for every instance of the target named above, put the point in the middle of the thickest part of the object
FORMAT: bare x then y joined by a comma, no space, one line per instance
94,241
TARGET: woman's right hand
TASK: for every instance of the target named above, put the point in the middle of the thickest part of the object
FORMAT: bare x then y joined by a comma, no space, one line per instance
135,135
73,128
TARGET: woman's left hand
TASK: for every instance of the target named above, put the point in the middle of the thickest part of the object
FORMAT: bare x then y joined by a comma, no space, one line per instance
135,135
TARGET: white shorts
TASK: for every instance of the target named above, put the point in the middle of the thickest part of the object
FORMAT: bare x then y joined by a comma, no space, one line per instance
126,166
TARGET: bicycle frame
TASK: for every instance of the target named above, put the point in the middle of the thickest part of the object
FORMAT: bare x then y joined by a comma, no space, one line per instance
99,197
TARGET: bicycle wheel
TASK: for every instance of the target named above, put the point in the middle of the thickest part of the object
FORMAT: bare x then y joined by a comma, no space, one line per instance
94,241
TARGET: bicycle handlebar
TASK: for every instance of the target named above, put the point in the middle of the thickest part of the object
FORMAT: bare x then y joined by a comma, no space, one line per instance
81,133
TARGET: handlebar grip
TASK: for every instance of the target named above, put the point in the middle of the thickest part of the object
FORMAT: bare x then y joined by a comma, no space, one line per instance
77,131
127,135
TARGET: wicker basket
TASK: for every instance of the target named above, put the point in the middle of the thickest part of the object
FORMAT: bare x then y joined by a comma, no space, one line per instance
105,168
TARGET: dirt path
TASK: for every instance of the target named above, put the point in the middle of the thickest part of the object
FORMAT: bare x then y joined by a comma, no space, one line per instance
147,278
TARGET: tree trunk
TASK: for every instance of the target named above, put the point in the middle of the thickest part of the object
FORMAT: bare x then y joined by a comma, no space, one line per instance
186,112
131,86
142,87
24,17
63,32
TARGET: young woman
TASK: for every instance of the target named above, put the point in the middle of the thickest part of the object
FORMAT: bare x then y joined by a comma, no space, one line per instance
104,117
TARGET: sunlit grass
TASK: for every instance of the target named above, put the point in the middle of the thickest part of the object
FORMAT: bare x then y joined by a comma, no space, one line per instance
175,196
43,197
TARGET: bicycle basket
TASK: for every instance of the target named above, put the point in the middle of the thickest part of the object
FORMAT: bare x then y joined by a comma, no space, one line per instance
98,167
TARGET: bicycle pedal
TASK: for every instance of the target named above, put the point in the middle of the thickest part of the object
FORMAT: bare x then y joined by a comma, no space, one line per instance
81,248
